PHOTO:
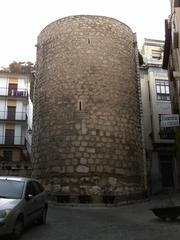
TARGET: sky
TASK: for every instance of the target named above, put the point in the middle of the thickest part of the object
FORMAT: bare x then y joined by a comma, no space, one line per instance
21,21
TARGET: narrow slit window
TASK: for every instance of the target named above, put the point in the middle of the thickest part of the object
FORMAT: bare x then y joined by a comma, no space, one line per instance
80,105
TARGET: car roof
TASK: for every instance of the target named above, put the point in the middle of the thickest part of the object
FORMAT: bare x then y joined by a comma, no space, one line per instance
17,178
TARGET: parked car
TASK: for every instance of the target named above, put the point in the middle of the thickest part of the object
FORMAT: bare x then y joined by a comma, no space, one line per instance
22,201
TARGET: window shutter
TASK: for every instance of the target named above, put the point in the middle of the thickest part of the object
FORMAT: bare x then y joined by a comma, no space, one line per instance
176,3
176,39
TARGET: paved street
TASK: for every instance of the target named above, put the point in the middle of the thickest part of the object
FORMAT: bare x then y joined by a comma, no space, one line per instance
130,222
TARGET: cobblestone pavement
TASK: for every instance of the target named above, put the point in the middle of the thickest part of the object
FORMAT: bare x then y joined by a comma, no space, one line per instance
128,222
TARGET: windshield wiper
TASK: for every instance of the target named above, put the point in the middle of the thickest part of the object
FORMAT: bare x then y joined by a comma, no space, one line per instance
3,196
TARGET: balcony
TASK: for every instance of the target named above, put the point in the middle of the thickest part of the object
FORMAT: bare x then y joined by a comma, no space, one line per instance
12,141
20,93
153,60
167,133
13,116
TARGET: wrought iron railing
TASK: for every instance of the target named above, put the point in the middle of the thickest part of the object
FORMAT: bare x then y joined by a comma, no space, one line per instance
12,140
13,115
20,92
167,133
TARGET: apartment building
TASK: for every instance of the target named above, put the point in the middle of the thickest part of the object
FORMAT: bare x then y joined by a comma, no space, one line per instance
171,59
158,119
15,120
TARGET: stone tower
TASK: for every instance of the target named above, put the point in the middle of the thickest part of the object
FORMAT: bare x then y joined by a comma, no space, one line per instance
87,140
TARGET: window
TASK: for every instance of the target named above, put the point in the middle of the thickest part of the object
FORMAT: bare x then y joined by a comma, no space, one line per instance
38,188
9,136
176,3
30,189
33,188
156,54
176,39
12,89
11,189
80,105
11,113
162,90
7,155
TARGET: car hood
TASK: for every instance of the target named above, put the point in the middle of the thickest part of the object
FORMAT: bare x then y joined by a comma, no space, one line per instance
8,203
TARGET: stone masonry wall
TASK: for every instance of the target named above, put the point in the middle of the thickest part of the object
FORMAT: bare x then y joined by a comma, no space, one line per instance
87,138
16,168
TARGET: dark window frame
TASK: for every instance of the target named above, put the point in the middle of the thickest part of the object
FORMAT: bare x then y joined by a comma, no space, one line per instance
162,90
7,155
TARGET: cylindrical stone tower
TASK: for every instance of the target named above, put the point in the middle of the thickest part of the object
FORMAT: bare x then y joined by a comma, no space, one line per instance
87,139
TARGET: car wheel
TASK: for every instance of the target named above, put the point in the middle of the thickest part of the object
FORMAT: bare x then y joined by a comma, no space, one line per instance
18,228
42,219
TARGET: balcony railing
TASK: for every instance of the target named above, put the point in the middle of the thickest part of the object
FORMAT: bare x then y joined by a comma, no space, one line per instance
167,133
13,116
17,93
12,140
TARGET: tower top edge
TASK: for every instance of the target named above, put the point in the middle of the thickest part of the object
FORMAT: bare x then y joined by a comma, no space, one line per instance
76,17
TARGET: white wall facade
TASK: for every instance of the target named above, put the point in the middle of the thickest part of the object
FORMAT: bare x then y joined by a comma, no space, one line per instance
23,107
153,107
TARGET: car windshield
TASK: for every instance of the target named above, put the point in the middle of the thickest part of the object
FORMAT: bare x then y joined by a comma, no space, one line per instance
11,189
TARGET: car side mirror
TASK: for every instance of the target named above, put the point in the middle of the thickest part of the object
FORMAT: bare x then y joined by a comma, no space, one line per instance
29,197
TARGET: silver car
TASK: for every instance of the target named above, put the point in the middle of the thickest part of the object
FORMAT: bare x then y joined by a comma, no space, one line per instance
22,201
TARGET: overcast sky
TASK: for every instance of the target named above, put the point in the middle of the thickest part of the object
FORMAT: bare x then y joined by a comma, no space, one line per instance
22,20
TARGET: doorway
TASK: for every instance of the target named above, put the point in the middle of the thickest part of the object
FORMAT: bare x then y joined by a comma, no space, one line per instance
167,170
9,136
12,89
11,114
